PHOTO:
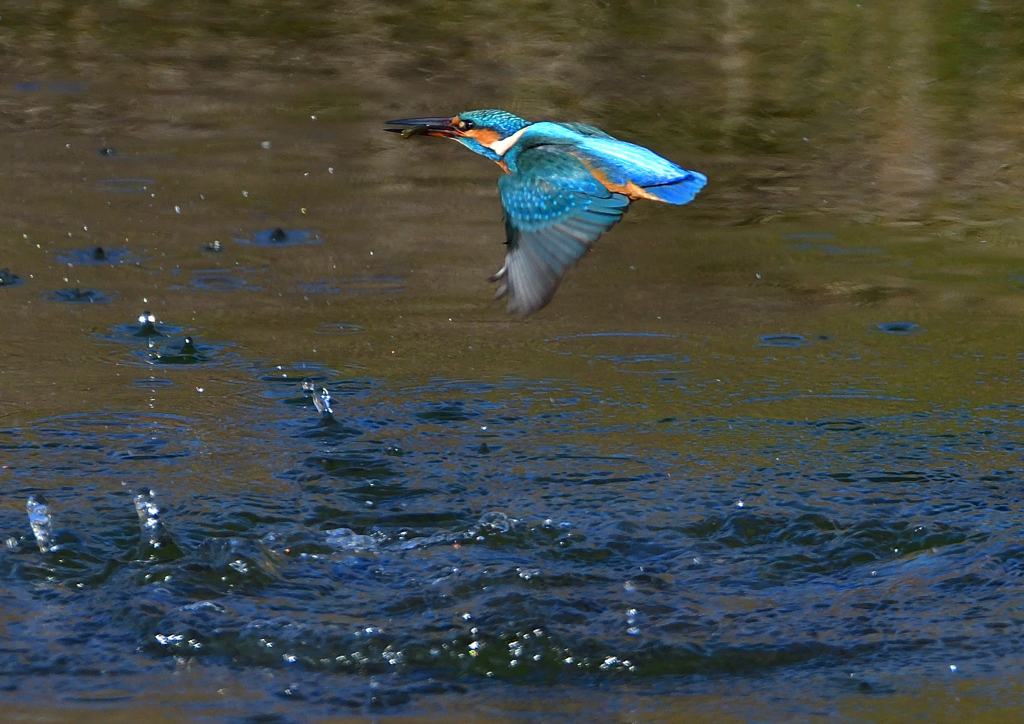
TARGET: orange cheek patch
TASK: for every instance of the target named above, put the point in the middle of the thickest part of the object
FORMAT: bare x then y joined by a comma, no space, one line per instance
483,136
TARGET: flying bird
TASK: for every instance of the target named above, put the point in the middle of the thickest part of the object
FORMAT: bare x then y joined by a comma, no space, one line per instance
565,184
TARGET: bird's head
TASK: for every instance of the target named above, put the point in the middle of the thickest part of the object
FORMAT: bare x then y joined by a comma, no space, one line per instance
486,132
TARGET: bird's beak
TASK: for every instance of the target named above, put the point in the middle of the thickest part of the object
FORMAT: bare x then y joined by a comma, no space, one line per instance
424,127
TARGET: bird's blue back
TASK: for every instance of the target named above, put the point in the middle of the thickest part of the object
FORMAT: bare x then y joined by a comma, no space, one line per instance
638,164
620,163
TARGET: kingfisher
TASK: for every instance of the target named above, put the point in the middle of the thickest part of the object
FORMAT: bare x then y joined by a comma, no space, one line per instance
565,184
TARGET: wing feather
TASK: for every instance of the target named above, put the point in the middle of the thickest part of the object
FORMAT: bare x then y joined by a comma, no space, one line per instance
554,211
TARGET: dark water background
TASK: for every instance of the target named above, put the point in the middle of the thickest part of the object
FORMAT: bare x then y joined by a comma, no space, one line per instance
760,459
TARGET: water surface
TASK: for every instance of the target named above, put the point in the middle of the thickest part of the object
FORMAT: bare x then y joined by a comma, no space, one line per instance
760,459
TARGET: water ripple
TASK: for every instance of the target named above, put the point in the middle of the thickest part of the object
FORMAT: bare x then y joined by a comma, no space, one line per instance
568,552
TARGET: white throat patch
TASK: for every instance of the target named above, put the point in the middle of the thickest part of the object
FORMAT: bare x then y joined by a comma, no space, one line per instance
501,147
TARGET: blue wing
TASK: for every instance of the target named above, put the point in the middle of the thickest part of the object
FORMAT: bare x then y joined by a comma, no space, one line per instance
625,162
554,211
585,130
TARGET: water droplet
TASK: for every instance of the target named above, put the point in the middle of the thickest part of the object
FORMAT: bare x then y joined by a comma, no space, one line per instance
495,521
41,521
149,516
148,329
322,401
345,539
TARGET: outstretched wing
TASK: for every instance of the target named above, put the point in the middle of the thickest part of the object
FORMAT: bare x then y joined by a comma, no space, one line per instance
585,129
554,211
625,163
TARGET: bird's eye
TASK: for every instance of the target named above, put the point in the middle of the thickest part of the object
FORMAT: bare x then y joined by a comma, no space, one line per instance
466,125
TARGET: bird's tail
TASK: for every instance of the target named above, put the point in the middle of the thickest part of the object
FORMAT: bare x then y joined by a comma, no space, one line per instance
681,191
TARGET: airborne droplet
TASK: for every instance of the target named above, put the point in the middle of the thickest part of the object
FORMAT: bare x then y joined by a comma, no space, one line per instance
41,521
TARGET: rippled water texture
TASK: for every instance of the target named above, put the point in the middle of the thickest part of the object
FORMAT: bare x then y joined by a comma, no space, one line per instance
269,452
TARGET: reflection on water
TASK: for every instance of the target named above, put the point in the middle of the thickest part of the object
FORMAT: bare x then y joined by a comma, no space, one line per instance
898,327
759,458
80,296
9,278
279,237
96,255
222,280
784,340
124,185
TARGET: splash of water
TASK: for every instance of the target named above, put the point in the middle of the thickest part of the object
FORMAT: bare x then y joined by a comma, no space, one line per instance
491,523
345,539
42,522
322,401
148,329
149,516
